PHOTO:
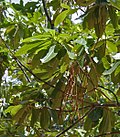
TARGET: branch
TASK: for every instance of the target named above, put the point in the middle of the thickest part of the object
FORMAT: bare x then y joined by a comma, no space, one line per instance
92,107
23,72
47,15
105,105
58,135
17,62
30,71
108,133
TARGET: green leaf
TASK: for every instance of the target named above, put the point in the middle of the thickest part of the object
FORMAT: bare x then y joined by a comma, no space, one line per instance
88,124
84,2
117,71
20,116
13,109
54,116
115,3
50,55
93,81
113,16
63,67
9,29
115,78
107,122
63,5
111,47
57,94
71,55
106,64
81,41
96,114
60,18
25,48
36,38
37,57
35,116
45,118
108,72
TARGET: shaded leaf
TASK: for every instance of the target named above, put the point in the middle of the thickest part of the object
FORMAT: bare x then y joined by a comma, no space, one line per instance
107,122
50,55
113,16
96,114
45,118
35,116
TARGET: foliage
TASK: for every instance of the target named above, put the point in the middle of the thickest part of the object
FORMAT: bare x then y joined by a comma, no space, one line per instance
59,77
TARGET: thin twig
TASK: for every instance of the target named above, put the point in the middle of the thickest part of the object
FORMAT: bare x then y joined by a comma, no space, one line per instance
17,61
110,92
105,105
104,94
30,71
23,72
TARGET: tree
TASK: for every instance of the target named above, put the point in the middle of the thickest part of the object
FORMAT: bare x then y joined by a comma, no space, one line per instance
59,77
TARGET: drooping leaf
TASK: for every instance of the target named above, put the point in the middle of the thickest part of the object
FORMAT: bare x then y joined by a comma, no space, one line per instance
108,72
92,80
107,122
113,16
117,71
20,116
50,55
45,118
88,124
35,116
96,114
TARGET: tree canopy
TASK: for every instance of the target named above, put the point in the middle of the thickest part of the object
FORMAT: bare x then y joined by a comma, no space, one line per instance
60,68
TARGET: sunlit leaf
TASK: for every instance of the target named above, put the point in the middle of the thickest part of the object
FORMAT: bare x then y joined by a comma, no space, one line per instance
13,109
115,3
111,47
24,49
60,18
108,72
63,5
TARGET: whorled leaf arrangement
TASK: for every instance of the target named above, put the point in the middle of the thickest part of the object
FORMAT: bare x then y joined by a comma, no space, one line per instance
62,77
